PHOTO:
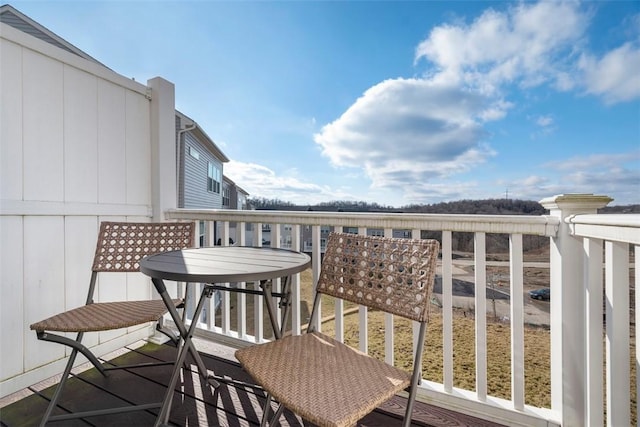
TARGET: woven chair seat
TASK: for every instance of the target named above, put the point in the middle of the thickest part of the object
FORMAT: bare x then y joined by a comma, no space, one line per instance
104,316
321,379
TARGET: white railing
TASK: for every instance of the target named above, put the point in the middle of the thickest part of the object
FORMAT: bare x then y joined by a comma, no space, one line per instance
612,235
574,390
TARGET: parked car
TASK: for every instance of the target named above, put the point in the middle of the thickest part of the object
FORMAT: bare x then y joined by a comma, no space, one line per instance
541,294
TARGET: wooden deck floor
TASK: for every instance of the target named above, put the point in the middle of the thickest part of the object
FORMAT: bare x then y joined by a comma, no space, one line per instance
194,404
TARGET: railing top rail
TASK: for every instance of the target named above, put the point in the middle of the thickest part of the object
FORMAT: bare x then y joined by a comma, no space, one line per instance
619,220
614,227
525,224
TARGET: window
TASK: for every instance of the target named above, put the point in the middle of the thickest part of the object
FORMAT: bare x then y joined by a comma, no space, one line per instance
226,196
213,178
193,153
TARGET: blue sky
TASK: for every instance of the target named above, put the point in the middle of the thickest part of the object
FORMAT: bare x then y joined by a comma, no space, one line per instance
390,102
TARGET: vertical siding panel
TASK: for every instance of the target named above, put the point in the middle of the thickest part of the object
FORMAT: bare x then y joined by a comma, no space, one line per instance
111,143
43,283
80,235
43,143
11,119
11,297
81,136
138,149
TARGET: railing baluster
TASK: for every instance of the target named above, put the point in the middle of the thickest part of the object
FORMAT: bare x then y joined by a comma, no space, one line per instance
388,324
415,326
363,330
276,236
593,381
295,285
315,268
258,300
481,315
517,321
447,312
637,322
225,297
241,298
339,310
617,328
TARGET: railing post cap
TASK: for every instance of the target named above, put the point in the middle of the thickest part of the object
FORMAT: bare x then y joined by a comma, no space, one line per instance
576,202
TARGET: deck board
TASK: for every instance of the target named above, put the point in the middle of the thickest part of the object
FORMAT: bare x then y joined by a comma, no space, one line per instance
194,404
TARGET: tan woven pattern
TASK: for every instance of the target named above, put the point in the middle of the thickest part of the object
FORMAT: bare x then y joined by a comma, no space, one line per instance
390,274
104,316
121,245
320,379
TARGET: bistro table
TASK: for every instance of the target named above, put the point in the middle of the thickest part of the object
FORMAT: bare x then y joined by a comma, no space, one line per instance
213,266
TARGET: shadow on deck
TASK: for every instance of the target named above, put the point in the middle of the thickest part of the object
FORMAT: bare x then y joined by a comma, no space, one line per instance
194,404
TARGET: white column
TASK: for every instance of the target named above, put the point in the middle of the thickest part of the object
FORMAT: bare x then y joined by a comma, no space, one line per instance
568,336
163,147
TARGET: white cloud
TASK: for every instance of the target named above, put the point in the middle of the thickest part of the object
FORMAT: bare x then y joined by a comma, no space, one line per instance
614,175
544,121
410,130
260,181
596,161
615,76
527,44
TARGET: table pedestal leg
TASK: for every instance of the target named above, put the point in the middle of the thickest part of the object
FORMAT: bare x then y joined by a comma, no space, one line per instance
278,330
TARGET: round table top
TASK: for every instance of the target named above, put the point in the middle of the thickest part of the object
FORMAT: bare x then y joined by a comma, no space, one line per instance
221,264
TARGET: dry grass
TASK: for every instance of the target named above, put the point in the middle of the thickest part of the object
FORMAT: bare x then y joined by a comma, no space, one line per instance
537,350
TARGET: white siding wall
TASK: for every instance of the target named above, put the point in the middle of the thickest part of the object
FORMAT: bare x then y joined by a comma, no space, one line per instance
76,148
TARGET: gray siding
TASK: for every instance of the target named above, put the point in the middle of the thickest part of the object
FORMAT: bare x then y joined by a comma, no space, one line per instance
180,155
196,194
16,22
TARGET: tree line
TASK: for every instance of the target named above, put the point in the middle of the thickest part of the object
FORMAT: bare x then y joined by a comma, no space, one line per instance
463,242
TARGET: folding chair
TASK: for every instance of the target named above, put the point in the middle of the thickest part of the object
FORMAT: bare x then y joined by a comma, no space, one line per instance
325,381
120,247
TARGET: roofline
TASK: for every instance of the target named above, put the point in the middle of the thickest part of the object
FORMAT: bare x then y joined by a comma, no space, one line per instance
238,188
45,30
214,148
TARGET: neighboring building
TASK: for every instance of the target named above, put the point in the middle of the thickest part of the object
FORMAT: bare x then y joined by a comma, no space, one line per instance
200,166
235,197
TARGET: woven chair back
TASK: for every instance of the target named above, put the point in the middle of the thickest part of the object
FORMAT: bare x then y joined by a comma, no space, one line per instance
390,274
121,245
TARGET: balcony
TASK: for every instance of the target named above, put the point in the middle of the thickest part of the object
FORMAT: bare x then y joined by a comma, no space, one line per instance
194,403
590,331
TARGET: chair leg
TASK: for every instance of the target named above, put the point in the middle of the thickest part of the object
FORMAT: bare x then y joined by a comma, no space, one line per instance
275,420
167,332
265,411
76,345
416,375
60,386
